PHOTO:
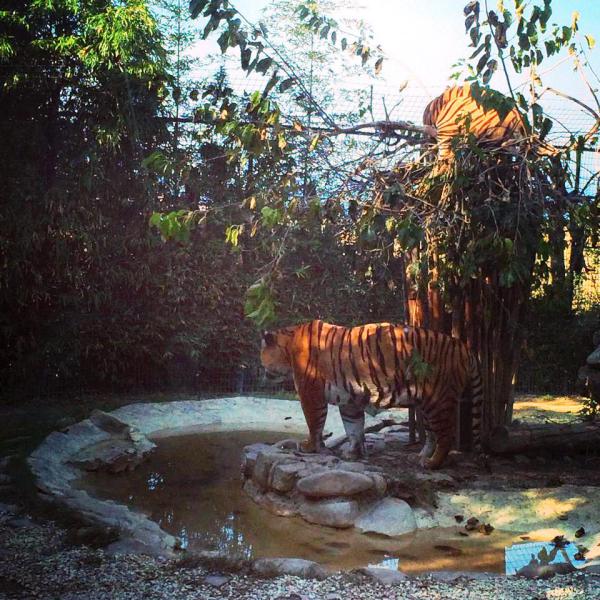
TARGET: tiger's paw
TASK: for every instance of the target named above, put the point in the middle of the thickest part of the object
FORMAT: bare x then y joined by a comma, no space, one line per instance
309,447
353,453
429,464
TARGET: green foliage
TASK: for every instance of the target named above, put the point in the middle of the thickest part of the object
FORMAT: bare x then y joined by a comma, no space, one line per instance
260,305
419,368
327,28
89,294
523,34
591,408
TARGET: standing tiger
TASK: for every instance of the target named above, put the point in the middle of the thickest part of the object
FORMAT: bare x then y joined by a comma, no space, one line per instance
380,364
456,113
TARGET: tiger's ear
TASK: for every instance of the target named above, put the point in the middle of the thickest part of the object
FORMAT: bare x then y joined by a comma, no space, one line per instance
268,338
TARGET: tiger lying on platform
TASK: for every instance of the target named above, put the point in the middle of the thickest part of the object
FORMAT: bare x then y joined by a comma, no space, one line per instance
380,364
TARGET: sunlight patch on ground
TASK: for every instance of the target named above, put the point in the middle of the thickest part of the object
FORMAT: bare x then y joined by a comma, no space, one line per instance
550,508
542,509
540,409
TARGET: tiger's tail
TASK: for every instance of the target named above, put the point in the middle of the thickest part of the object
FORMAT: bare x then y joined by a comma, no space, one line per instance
476,388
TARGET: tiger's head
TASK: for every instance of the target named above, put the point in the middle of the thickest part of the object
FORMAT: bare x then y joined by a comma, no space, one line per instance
275,355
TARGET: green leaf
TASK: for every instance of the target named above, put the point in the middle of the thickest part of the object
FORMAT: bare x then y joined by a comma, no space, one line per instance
255,99
482,62
303,12
197,6
232,234
271,83
223,41
471,7
245,57
286,84
479,49
263,65
271,216
545,128
469,22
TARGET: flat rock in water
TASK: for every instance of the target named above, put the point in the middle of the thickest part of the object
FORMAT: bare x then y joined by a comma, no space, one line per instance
390,516
336,513
114,456
250,455
334,483
108,422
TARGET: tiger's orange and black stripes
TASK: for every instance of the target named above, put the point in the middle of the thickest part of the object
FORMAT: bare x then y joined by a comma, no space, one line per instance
380,364
455,113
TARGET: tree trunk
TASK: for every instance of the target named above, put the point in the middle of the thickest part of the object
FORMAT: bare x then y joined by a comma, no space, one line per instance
514,440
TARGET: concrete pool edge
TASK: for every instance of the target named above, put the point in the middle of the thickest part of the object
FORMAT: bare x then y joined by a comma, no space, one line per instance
55,474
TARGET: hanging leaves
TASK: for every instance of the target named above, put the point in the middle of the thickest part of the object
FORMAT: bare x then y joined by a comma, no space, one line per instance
326,28
197,6
260,304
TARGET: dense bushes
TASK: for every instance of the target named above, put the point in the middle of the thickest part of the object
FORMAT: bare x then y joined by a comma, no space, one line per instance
90,296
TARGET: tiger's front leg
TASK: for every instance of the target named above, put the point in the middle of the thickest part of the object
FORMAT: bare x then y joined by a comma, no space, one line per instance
314,407
353,417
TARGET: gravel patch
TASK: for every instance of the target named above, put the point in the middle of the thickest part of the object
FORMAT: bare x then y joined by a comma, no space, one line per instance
37,561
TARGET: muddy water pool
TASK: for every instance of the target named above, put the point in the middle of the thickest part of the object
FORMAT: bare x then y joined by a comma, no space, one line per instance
191,487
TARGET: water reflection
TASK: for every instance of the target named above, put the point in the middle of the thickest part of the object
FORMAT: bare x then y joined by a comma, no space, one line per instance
154,481
531,557
191,487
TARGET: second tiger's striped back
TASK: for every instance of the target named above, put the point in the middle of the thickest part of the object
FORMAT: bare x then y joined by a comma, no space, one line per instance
456,113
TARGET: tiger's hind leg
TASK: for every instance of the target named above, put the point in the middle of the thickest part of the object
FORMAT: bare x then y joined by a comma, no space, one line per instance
353,417
442,448
440,427
429,447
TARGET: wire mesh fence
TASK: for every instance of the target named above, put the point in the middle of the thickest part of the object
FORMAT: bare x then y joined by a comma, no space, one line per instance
587,290
351,100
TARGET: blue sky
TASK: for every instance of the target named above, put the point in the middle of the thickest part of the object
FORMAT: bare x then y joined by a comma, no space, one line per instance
423,38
